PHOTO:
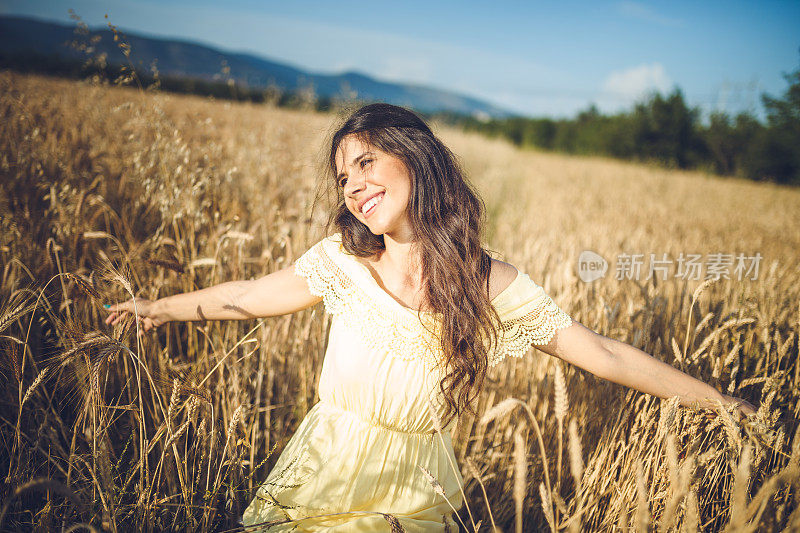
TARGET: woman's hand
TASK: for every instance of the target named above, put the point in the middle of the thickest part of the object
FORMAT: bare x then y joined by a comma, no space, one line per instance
745,407
148,313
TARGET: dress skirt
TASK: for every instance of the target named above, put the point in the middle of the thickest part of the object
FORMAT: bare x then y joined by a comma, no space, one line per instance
356,471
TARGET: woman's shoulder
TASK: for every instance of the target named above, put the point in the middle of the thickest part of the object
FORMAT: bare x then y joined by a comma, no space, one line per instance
501,276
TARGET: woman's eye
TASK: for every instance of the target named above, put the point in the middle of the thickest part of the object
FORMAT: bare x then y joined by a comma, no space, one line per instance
342,182
364,162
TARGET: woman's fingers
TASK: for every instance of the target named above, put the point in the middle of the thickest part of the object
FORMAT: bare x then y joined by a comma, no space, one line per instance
147,326
115,312
116,317
747,408
120,312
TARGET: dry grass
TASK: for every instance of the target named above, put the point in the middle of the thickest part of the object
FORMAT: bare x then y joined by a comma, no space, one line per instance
111,192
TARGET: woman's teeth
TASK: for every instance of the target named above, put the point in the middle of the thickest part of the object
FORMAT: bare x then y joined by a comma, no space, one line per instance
372,202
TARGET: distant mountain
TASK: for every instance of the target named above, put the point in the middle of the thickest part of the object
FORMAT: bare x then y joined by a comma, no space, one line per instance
176,58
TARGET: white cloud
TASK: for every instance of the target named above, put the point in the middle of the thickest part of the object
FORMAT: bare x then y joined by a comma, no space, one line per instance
633,83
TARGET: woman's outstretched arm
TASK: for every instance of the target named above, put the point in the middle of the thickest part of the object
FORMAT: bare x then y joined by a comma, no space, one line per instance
624,364
279,293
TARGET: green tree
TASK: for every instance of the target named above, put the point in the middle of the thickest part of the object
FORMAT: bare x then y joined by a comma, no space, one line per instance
775,153
665,130
727,141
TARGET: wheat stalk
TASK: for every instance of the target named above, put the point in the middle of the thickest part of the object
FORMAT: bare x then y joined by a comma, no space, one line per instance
642,522
476,474
547,506
504,408
691,519
561,408
36,382
437,423
173,400
741,481
675,487
576,467
698,291
178,432
438,489
520,477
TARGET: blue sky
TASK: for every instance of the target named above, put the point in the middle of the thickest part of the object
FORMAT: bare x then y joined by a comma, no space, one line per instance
541,59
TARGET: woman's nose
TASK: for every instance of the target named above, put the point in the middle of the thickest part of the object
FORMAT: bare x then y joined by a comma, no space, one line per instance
354,186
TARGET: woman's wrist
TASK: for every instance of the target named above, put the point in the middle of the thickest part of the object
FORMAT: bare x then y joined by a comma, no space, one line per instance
160,309
708,398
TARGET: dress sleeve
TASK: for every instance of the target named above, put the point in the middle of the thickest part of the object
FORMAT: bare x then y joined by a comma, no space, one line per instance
528,316
323,275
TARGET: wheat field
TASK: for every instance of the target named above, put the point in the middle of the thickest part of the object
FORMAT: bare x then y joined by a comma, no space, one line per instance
110,192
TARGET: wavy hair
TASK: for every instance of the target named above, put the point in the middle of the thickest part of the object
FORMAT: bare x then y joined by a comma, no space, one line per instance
447,217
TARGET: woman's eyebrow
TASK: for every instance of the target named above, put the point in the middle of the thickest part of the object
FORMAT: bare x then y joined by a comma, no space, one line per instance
355,161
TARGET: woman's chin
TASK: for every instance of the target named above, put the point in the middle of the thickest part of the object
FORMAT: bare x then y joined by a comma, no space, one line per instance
376,229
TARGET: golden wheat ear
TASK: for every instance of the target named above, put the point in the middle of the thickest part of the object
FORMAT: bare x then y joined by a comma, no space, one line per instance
18,305
84,285
11,357
394,523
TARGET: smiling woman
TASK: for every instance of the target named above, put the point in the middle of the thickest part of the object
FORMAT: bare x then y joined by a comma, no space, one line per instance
419,312
380,189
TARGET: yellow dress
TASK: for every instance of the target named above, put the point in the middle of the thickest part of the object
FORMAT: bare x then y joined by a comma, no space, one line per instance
356,456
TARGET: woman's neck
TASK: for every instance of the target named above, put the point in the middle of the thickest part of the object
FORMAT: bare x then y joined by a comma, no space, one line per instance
401,256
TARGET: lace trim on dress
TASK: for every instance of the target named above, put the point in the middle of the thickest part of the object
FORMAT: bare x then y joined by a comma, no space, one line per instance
401,334
535,323
408,336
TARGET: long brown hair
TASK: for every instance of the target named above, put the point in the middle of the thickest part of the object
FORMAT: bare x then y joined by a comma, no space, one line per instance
447,217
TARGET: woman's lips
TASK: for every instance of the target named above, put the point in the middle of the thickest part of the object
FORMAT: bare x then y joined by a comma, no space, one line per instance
372,204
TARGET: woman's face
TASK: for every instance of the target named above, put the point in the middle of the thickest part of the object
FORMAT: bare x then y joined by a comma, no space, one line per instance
376,187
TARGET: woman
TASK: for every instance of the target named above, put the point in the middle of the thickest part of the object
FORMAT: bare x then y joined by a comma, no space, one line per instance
420,310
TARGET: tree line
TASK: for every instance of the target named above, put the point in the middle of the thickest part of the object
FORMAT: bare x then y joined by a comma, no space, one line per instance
665,130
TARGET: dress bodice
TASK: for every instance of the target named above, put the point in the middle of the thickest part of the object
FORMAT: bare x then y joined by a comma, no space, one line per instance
382,360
